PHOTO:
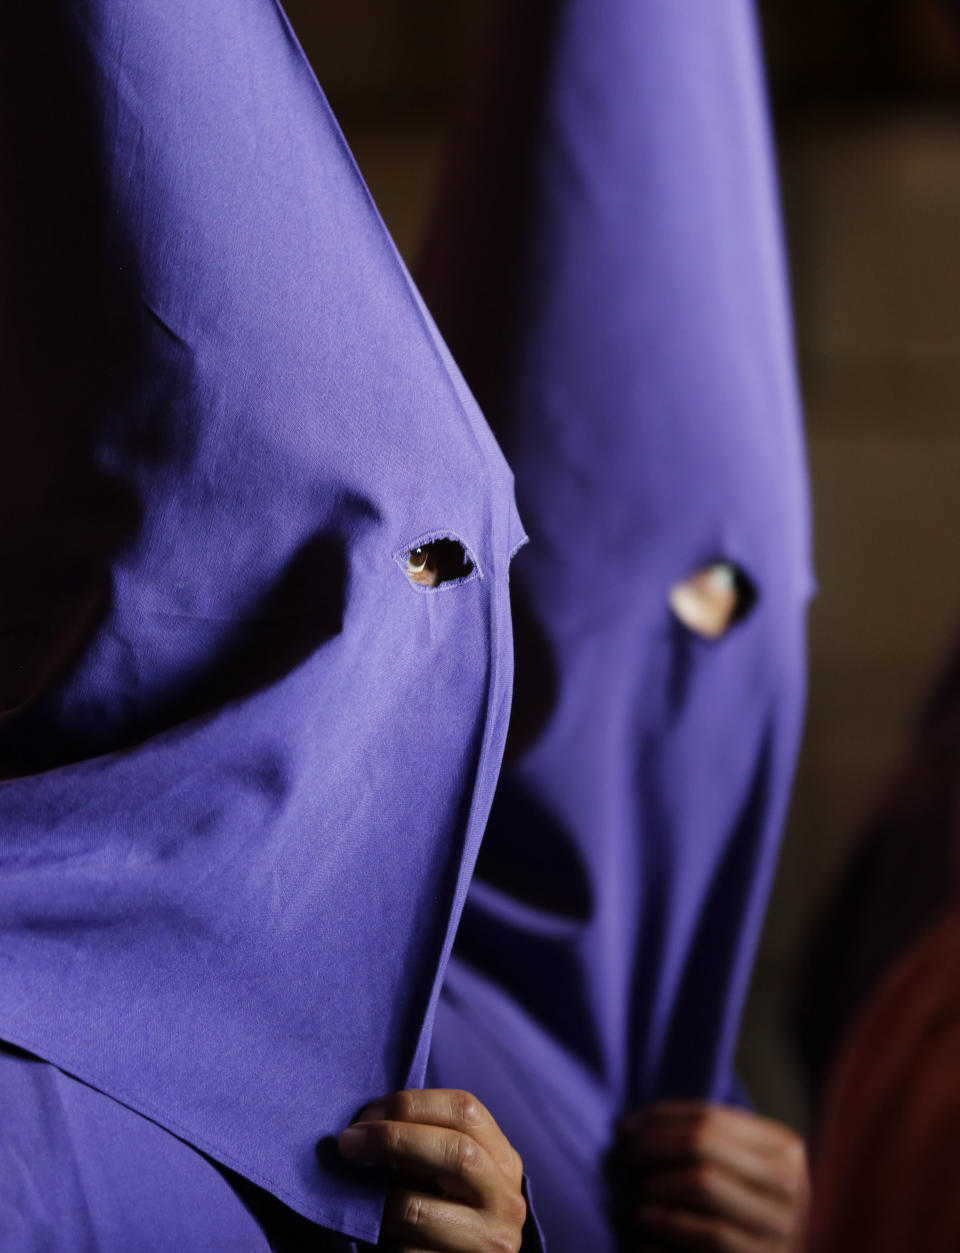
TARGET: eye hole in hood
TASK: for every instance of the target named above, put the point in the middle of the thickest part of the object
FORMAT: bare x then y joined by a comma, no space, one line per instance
712,599
438,562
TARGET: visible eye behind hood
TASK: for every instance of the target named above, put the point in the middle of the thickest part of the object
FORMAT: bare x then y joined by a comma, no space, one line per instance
712,599
441,561
221,903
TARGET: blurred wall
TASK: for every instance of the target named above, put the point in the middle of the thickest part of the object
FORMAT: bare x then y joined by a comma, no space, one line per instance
874,207
868,112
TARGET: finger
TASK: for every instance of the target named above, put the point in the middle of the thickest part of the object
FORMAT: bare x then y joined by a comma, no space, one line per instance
750,1129
663,1143
415,1220
697,1232
448,1107
454,1159
673,1148
712,1191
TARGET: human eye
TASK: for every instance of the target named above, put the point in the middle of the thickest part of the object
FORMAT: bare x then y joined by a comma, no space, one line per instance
438,561
713,598
422,566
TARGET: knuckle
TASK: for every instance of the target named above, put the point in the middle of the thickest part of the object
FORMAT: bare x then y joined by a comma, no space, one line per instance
791,1179
701,1135
795,1156
401,1106
412,1210
466,1109
702,1181
516,1210
789,1186
505,1240
392,1138
517,1164
463,1153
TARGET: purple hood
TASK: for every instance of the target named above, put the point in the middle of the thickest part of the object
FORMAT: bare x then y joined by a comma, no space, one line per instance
607,266
247,762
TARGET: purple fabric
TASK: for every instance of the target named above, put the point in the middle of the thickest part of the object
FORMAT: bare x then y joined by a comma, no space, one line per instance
606,264
247,762
84,1174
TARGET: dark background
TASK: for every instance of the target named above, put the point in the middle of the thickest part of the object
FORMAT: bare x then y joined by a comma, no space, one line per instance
867,109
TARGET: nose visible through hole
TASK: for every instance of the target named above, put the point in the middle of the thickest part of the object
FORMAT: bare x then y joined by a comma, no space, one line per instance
438,561
711,600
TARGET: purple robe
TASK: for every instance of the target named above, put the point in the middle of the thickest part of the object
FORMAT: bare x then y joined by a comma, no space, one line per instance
84,1174
606,264
246,761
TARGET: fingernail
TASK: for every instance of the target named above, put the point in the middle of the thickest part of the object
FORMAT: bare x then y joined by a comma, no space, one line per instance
352,1142
376,1111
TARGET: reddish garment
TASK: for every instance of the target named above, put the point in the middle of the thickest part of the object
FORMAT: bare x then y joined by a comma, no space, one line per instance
899,880
887,1173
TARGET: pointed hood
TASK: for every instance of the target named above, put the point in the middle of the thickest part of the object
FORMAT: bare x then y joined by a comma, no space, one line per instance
247,762
606,264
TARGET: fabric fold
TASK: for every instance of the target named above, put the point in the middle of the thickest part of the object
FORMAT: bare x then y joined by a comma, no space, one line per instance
246,762
606,263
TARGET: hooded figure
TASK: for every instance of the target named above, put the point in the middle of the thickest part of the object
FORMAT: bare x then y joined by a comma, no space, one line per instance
247,757
606,265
